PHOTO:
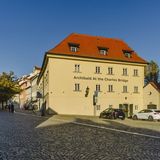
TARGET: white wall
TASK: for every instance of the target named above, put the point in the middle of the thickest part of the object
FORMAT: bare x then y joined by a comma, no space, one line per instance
151,96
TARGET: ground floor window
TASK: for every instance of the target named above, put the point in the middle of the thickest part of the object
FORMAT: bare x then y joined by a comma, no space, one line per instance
98,107
151,106
136,107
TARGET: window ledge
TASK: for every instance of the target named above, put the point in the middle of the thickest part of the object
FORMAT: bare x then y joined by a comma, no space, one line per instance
77,91
110,74
76,72
135,76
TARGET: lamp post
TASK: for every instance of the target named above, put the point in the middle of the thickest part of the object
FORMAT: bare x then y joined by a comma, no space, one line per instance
87,92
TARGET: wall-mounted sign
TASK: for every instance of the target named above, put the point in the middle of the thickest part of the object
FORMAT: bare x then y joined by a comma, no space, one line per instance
100,79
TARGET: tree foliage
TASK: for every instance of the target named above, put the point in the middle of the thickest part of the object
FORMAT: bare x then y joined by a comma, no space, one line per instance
8,86
152,72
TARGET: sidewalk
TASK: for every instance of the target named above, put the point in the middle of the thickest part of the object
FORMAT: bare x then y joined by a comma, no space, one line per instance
27,111
32,112
121,124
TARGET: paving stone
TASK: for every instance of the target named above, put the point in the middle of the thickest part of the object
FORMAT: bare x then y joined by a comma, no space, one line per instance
22,137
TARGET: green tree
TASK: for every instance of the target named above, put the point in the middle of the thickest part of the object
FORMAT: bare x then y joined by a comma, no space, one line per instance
8,86
152,72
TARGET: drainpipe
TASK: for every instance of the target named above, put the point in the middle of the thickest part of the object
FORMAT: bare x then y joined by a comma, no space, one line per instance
43,88
31,91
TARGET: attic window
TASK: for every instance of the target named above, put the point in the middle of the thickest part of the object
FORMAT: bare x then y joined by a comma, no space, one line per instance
103,50
73,47
127,53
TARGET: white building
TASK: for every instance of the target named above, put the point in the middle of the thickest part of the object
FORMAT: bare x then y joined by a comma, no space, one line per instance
82,65
152,96
29,88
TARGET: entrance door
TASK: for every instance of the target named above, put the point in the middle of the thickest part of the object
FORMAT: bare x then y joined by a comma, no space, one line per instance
130,110
125,108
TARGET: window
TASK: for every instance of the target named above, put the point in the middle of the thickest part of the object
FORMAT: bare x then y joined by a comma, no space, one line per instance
98,88
98,107
124,71
124,89
77,68
73,49
136,107
110,88
103,50
127,53
77,87
110,70
135,72
98,70
135,89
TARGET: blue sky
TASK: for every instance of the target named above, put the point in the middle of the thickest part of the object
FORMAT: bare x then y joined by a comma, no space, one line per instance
28,28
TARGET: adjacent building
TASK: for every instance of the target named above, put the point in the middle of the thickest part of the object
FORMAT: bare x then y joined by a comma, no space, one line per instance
152,96
83,75
23,83
28,86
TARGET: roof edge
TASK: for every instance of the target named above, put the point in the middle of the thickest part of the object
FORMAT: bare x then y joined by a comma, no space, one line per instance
118,60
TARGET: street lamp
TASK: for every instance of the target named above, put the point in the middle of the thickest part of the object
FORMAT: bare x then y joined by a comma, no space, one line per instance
87,92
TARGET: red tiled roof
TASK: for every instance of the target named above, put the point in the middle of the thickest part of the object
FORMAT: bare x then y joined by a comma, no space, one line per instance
37,68
88,47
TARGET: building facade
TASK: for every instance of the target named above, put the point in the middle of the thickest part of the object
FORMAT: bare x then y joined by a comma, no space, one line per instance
28,86
152,96
23,95
83,75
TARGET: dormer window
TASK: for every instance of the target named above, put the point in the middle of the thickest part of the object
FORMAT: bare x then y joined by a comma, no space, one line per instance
127,53
73,47
103,50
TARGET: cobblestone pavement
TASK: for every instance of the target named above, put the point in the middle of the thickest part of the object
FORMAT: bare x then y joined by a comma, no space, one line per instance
28,137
